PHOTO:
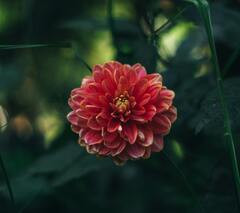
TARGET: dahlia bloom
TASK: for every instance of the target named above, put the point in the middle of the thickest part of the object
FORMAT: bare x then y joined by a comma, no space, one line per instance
122,112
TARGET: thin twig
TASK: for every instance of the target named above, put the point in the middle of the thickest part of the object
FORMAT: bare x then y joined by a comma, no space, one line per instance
171,20
27,46
80,58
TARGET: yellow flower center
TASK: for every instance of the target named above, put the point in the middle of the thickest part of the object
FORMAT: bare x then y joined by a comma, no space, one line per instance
122,102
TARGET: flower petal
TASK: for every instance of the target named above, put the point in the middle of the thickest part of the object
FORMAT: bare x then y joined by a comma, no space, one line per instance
93,124
145,99
157,144
73,118
135,150
110,137
93,137
171,114
113,125
145,136
140,88
130,131
150,112
141,72
120,148
161,124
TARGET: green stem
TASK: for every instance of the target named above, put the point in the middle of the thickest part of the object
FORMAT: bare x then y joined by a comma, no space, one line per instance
171,20
7,179
27,46
110,18
228,135
83,62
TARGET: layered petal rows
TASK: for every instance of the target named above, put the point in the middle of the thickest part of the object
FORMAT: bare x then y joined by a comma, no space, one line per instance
122,112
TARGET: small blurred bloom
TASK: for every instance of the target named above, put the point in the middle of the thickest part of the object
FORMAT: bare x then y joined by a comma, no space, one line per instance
122,112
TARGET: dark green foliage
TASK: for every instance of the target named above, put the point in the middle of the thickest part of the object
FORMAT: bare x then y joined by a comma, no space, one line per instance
44,49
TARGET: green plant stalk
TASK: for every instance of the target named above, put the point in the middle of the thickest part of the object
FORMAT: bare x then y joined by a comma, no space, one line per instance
7,179
171,20
228,135
53,45
27,46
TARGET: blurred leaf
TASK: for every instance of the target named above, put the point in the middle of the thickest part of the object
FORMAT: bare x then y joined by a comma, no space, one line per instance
57,161
11,76
26,187
226,25
211,116
91,24
3,119
78,169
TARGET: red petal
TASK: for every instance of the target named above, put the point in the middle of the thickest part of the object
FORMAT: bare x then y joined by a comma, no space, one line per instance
161,124
73,118
93,149
157,144
145,99
138,110
119,149
163,106
83,113
108,86
132,76
154,91
171,114
110,137
141,72
135,151
140,88
75,101
113,144
93,124
150,112
130,131
86,80
123,84
104,150
145,135
101,121
93,137
113,125
167,94
93,109
147,153
155,77
76,129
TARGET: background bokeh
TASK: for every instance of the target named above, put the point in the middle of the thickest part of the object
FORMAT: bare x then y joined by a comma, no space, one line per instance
48,170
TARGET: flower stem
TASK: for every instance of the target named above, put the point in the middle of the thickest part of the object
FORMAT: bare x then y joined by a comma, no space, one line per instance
171,20
7,179
203,6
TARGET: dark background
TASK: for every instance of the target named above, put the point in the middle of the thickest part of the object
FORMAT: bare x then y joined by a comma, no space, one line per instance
49,172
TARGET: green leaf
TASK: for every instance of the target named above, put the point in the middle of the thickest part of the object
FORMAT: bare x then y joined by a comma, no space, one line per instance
57,161
211,116
80,168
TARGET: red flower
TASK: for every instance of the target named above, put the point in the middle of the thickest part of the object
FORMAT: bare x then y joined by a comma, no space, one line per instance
122,112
